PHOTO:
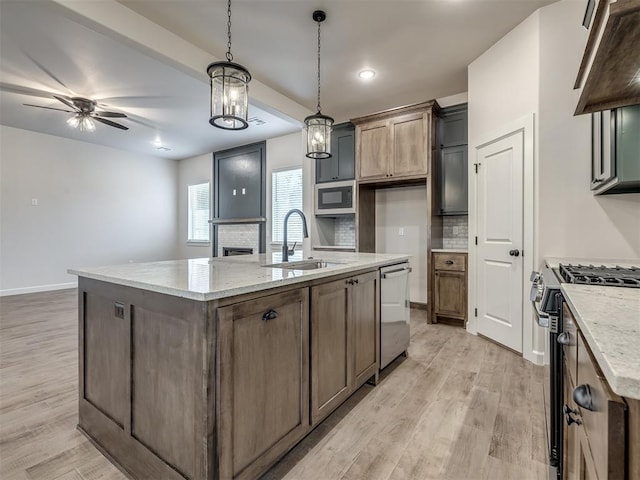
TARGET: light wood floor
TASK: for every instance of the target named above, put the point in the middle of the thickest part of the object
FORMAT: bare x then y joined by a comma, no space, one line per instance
459,407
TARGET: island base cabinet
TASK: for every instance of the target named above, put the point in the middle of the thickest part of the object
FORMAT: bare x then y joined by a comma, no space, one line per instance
345,336
263,375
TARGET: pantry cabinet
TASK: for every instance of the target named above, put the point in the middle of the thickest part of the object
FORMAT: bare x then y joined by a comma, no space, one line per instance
395,144
345,332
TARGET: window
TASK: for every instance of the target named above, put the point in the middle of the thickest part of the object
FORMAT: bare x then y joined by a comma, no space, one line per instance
286,193
198,227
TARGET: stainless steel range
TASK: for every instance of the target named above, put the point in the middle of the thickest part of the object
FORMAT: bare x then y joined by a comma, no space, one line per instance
547,301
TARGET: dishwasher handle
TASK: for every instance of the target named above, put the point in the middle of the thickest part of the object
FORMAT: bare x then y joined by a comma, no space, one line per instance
398,271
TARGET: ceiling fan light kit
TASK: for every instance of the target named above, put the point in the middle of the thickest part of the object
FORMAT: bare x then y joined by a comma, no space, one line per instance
229,83
82,122
319,126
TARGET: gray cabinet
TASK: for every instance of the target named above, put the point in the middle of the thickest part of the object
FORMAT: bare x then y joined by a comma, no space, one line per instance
452,163
341,165
615,151
239,176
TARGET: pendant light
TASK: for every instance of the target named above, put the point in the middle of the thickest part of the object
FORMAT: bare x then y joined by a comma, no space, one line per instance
318,125
229,89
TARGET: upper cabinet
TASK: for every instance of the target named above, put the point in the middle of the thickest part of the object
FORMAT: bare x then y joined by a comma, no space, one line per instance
341,165
615,151
451,165
395,144
608,74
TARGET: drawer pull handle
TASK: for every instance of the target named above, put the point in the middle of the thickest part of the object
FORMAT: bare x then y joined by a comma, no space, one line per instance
352,281
564,338
568,415
449,262
270,315
582,396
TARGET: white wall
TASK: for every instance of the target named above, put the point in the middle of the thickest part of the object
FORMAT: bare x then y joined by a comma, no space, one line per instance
191,171
572,222
96,206
405,208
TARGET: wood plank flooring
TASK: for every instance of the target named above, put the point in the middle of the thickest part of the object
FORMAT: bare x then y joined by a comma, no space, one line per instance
460,407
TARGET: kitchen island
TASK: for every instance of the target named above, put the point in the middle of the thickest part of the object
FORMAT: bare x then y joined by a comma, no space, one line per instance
214,368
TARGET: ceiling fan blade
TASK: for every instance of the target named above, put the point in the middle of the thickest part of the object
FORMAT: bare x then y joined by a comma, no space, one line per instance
48,108
110,123
66,102
110,114
33,92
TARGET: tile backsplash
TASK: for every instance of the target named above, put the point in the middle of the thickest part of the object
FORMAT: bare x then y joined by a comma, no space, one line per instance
345,231
455,231
239,236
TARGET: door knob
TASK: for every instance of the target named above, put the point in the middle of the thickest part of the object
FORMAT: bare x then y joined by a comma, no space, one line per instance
514,252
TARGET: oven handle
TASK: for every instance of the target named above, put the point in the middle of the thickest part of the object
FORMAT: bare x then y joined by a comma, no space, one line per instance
542,318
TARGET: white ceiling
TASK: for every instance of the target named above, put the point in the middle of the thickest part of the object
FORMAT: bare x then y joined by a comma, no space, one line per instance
100,49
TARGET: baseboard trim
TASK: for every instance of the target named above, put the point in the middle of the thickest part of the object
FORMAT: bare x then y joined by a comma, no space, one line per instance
38,288
419,306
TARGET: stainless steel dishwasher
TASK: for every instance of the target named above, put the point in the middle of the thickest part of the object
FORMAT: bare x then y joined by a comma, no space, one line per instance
394,312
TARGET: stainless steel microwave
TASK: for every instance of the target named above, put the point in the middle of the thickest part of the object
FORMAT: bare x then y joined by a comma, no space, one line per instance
336,198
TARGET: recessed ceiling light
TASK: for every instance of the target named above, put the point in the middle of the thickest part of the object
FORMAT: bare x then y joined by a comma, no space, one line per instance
367,74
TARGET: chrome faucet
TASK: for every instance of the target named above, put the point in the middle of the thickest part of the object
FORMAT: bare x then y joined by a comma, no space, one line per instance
285,248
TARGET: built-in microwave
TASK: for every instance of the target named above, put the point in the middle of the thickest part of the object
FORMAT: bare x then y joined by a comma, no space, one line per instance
336,198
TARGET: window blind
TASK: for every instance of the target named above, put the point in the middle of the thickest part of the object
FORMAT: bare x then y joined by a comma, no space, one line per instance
198,228
286,193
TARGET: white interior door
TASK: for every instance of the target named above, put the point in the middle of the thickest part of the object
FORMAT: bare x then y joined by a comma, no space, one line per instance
500,239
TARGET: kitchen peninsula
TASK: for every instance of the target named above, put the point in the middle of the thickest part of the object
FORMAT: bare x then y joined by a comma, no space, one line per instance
214,368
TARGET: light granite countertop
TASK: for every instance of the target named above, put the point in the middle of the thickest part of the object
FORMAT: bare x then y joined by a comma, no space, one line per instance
449,250
609,319
206,279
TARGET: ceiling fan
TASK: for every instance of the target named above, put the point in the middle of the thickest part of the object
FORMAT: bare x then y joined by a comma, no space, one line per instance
84,113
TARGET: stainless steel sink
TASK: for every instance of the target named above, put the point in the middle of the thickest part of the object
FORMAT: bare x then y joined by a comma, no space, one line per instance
301,265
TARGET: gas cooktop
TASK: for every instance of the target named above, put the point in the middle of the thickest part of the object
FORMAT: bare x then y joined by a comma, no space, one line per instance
601,275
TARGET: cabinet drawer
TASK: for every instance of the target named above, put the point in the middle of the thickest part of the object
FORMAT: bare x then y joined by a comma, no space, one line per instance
571,348
604,419
449,261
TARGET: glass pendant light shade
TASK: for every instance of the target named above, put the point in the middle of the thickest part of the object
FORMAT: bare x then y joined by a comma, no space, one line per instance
82,122
319,128
229,95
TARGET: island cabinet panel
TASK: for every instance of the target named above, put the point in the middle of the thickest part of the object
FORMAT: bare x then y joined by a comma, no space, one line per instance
165,386
345,333
263,375
331,369
105,362
145,383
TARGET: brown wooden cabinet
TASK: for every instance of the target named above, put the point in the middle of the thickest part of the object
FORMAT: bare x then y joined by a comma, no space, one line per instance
598,430
449,284
395,144
264,381
345,332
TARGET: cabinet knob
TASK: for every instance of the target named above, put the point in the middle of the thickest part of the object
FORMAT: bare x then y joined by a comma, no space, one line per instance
270,315
449,262
569,415
583,397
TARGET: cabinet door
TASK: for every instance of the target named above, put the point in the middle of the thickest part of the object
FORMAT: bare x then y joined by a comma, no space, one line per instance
343,144
263,381
409,138
327,169
366,326
602,148
450,294
453,128
452,181
373,150
331,364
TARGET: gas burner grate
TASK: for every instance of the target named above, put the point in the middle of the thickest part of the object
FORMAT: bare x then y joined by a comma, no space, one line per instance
601,275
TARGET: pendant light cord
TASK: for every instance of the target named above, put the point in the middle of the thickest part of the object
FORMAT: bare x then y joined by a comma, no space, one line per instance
229,55
318,67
